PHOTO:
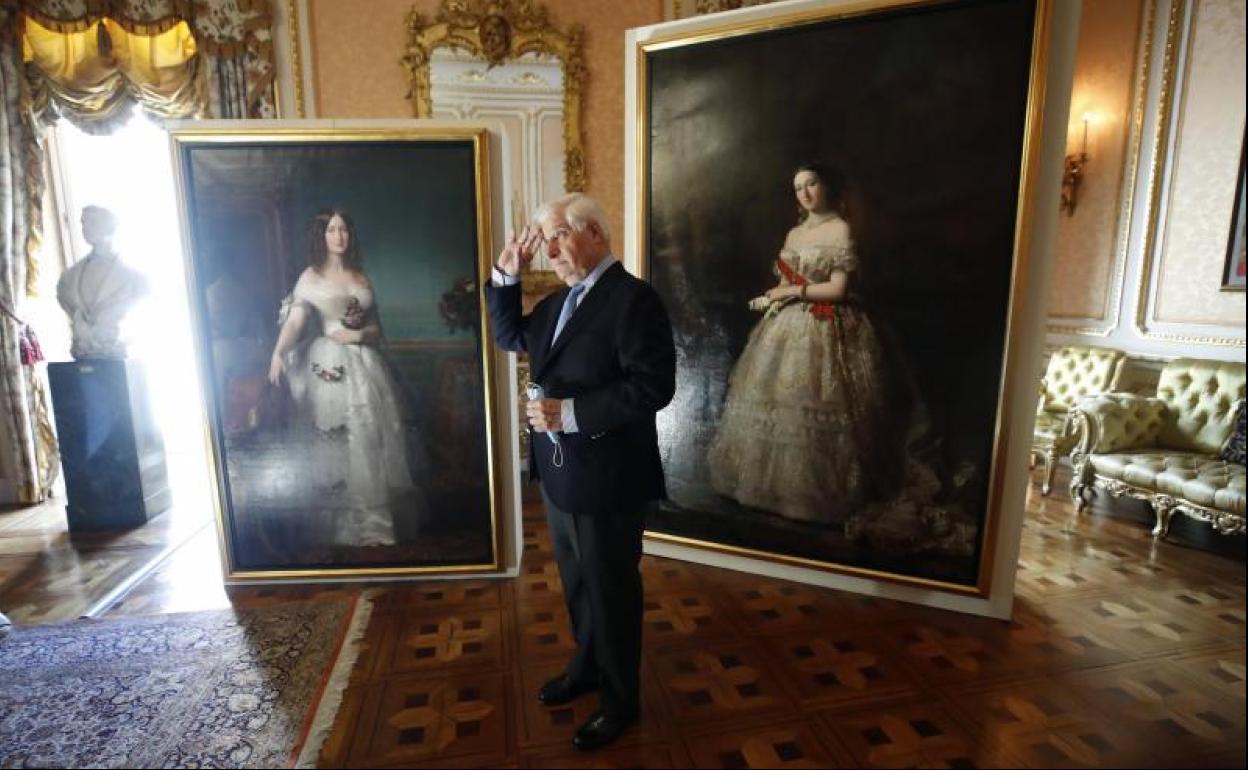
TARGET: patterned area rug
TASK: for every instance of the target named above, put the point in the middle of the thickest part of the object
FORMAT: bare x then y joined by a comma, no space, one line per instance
202,689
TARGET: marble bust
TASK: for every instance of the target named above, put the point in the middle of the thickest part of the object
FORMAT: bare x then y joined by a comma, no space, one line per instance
98,291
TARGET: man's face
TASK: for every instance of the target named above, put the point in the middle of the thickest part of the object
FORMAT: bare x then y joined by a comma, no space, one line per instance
573,253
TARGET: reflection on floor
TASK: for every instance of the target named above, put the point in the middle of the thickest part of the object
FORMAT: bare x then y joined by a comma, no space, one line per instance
1121,653
49,575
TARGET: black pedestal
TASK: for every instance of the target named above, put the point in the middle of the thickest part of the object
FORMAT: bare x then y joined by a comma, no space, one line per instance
111,451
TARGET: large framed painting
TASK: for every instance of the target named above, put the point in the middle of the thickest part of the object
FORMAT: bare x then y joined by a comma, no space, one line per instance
333,281
829,200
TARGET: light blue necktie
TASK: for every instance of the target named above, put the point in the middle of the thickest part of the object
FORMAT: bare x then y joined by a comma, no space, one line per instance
569,307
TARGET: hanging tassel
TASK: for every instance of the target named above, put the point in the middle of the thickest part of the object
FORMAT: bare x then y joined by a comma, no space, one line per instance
103,41
29,351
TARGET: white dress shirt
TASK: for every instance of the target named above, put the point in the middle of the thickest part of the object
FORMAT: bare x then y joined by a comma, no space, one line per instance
567,409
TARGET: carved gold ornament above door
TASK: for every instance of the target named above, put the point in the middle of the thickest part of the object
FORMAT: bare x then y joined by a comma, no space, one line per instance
499,31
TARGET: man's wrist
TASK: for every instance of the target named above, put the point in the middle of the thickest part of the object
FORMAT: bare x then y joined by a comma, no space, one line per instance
501,277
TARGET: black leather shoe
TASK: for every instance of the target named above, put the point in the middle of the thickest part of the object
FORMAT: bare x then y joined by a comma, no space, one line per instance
561,690
601,729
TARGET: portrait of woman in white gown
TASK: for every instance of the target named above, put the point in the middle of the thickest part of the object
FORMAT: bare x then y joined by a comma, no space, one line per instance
821,423
347,406
352,425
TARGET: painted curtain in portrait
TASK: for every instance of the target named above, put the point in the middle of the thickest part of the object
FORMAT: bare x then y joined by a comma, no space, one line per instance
367,450
859,434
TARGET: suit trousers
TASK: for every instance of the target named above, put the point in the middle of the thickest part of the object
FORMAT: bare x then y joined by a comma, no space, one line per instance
598,565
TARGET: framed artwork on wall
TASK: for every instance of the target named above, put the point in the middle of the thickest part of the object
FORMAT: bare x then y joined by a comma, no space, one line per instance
832,201
1233,272
333,277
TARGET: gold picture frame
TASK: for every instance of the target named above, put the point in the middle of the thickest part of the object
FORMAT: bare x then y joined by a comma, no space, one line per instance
826,69
340,470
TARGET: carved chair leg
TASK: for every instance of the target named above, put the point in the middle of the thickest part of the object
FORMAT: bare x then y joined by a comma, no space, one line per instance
1077,490
1050,466
1165,512
1080,479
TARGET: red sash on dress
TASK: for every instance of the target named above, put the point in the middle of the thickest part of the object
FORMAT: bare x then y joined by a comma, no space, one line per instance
823,310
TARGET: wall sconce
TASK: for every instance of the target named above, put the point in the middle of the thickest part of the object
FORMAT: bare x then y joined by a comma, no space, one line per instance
1073,176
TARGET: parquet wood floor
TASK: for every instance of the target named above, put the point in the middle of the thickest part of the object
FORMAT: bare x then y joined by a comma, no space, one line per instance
1122,652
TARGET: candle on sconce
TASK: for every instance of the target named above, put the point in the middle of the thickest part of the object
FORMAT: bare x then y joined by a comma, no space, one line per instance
1073,176
1088,117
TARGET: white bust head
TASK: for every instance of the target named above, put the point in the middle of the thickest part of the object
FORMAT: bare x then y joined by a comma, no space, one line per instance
98,291
98,227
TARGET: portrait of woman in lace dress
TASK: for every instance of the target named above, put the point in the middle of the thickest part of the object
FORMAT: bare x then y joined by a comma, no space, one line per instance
346,400
840,369
816,420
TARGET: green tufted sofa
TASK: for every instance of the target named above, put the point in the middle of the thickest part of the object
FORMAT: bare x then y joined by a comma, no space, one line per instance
1166,450
1073,373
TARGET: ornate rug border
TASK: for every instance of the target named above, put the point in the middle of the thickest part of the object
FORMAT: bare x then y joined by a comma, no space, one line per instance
320,721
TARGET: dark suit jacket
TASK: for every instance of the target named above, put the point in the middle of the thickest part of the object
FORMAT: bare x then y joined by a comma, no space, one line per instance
617,359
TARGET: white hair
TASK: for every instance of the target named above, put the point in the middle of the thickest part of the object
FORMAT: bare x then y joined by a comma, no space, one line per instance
579,210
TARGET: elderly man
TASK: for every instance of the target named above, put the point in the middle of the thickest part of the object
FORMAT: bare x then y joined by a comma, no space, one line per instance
601,352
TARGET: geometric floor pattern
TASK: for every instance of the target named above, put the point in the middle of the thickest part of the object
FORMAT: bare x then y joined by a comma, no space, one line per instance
1122,653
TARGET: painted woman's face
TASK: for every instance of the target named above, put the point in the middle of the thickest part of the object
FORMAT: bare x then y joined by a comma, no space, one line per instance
337,237
808,188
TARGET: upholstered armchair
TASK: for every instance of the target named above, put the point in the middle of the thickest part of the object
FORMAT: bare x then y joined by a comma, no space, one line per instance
1072,374
1167,449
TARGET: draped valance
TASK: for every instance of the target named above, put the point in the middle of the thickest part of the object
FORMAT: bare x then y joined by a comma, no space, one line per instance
90,76
176,58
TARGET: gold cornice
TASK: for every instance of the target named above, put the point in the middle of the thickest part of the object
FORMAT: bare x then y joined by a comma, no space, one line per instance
1085,327
512,28
1153,227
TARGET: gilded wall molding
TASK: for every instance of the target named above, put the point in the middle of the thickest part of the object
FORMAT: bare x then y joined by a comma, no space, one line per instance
499,31
296,55
1096,327
1159,186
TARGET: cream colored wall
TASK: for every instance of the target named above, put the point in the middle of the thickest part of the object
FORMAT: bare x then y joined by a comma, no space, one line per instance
355,59
1164,299
1204,172
1088,249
